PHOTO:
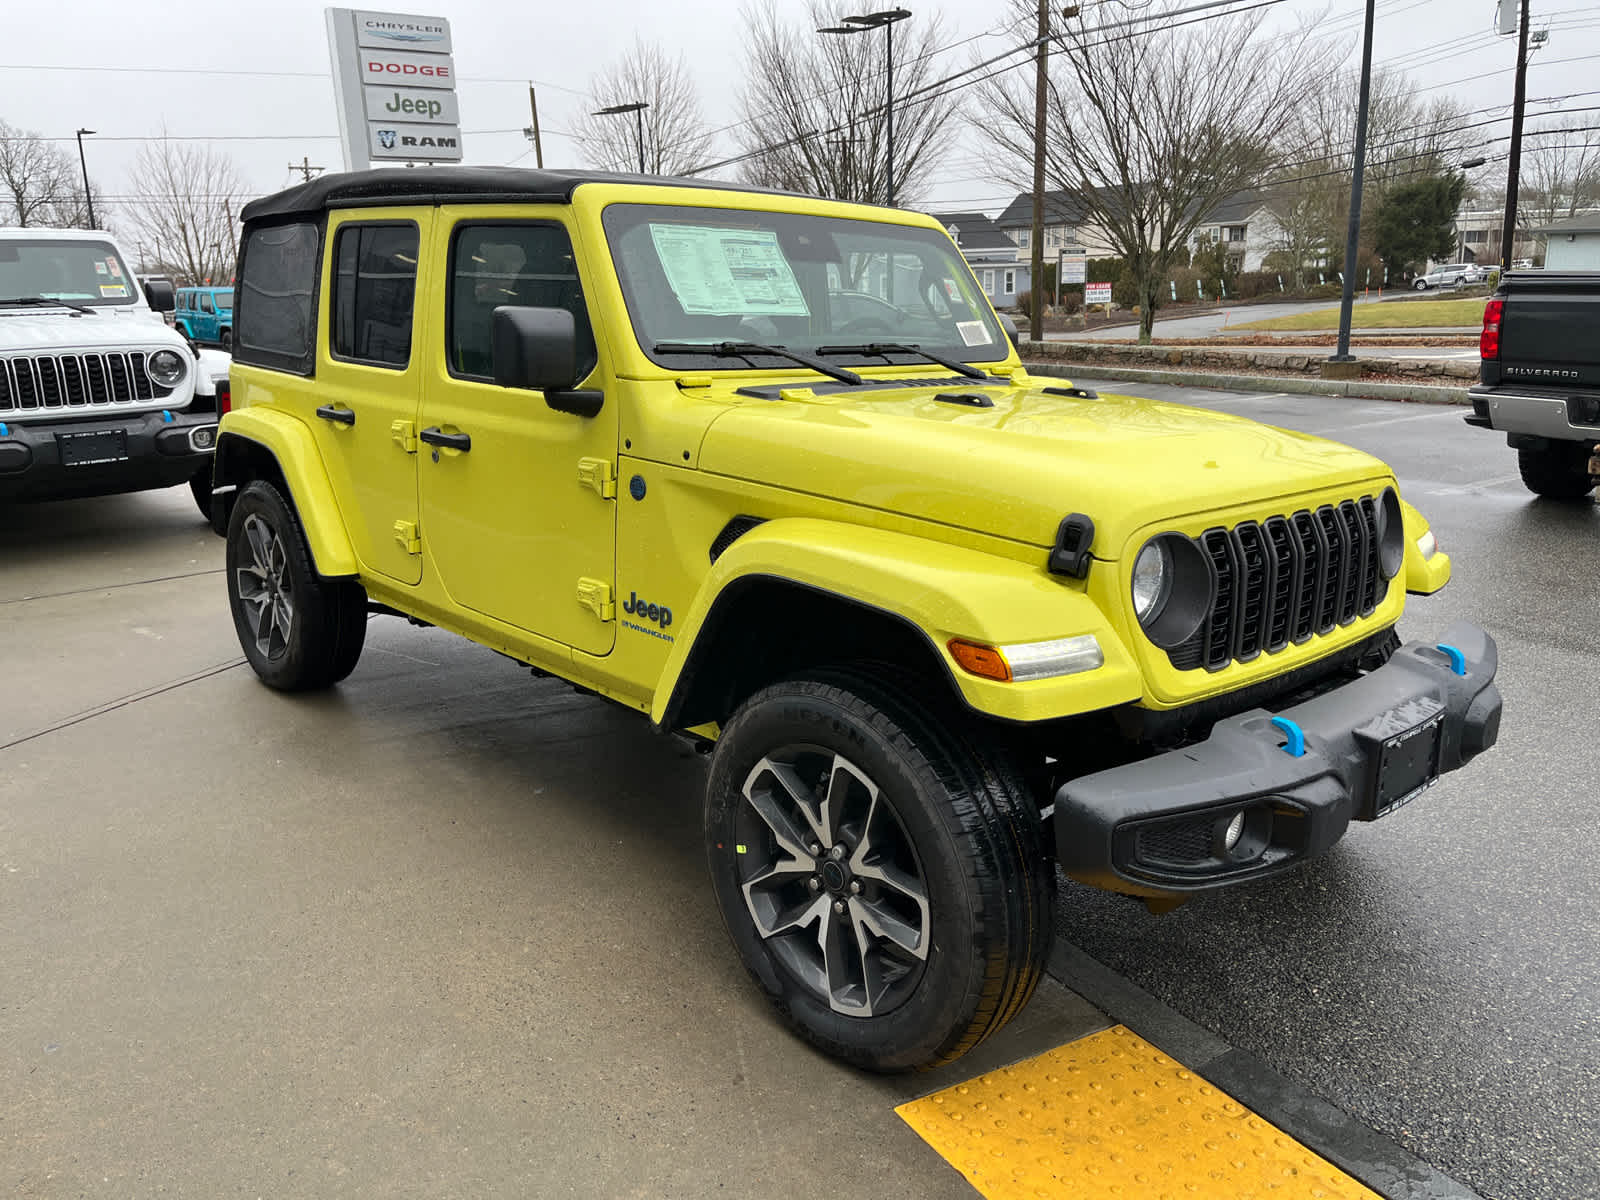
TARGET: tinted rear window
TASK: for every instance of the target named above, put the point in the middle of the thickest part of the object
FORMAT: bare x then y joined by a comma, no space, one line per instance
275,325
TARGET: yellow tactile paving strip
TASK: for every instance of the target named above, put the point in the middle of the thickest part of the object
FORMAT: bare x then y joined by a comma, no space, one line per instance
1111,1116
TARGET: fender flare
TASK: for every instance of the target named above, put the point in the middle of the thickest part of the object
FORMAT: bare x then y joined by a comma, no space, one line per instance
1422,576
292,446
940,590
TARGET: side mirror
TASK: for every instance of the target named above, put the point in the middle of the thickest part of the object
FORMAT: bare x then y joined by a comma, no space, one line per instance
537,349
1010,327
160,295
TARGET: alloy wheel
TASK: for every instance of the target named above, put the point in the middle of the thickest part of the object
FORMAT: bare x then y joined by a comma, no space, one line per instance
265,591
832,881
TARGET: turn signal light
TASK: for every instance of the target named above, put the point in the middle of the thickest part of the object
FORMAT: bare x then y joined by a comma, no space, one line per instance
1489,339
986,662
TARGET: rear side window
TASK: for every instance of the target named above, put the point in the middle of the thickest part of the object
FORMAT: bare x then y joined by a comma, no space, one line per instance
374,289
276,324
521,264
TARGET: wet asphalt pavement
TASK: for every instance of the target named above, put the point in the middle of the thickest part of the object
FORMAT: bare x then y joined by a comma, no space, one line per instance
1437,975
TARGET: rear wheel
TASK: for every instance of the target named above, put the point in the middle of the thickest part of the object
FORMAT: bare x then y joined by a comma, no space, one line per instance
1560,470
299,632
884,880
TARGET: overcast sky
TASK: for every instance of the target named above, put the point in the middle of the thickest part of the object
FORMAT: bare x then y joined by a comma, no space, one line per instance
256,77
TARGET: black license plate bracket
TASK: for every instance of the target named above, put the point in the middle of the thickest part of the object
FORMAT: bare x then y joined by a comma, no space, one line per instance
93,447
1402,756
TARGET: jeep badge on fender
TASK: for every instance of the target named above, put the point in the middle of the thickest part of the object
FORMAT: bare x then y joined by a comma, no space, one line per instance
874,635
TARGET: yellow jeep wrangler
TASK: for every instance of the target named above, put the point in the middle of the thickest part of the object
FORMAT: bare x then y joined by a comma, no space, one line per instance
767,469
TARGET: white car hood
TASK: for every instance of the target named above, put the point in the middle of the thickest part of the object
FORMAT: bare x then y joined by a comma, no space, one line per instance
58,330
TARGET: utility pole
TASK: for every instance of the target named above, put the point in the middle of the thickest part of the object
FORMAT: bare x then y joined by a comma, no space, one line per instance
1041,62
305,168
88,196
1343,364
233,238
532,131
1509,233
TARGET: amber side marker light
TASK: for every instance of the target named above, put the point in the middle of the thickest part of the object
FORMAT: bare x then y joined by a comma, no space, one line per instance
1022,661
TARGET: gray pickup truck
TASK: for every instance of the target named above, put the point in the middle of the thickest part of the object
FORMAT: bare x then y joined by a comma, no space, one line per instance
1540,378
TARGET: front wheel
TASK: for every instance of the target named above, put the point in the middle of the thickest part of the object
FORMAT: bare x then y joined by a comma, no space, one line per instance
885,882
226,340
1421,285
299,632
1559,471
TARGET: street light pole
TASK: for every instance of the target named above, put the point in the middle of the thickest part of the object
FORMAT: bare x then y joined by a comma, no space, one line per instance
84,164
637,108
885,20
1342,363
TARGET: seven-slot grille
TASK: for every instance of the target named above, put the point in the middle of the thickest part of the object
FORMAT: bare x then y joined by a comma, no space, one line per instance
64,383
1281,580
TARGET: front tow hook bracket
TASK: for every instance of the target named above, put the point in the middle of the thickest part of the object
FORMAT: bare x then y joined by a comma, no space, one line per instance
1297,737
1458,660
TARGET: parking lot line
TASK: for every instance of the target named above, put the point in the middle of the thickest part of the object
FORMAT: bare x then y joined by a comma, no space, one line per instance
1109,1115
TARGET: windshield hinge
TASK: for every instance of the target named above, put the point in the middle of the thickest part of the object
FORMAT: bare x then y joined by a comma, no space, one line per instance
595,595
597,473
405,533
404,434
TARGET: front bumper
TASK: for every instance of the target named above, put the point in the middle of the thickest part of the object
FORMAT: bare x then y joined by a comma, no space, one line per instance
1160,827
157,449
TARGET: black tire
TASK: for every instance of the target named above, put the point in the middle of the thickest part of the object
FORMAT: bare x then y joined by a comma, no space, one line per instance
200,489
225,338
968,832
1421,285
298,632
1560,471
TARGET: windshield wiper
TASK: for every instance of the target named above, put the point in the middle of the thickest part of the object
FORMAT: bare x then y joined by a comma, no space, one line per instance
746,349
47,300
884,349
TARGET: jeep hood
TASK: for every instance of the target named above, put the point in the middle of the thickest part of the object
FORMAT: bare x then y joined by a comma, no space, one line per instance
58,330
1016,469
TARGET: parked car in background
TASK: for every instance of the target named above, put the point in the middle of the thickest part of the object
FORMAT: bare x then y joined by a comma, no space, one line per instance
1449,275
205,315
97,395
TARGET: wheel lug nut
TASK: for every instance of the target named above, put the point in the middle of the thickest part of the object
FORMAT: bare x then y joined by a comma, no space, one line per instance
836,853
814,884
838,906
815,848
855,887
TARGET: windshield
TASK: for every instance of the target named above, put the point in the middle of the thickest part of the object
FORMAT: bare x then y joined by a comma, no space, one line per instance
82,272
804,283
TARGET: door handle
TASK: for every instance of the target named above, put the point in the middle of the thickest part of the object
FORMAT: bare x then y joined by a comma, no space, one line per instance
434,436
341,416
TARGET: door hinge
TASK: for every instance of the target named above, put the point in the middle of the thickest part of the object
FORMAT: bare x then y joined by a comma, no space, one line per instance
595,595
404,434
598,474
405,533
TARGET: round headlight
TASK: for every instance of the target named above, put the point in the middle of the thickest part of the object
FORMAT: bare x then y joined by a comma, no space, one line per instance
1391,535
1171,589
165,368
1150,574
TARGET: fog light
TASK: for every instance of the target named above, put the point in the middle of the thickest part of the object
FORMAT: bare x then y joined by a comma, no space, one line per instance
203,438
1234,831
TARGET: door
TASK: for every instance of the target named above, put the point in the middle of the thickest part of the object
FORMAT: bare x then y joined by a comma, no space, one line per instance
205,321
364,406
516,521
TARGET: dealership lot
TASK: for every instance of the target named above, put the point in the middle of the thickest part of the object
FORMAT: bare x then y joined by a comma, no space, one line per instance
446,930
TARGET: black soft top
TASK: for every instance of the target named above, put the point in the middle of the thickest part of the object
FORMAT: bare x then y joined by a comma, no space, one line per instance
440,185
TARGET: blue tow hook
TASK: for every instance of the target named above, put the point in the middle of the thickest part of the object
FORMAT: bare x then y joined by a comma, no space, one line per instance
1297,737
166,416
1458,660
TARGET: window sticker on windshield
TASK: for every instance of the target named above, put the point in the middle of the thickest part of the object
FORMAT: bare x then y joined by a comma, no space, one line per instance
100,268
113,291
973,333
116,267
718,271
951,290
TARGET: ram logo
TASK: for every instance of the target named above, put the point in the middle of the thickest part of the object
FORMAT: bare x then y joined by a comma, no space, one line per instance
386,138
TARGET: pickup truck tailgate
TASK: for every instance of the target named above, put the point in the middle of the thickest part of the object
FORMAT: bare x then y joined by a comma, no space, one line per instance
1549,331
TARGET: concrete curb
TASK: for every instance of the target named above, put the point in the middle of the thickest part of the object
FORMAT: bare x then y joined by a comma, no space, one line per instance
1414,392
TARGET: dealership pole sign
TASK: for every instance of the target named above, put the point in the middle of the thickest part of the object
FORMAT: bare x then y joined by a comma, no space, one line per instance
394,81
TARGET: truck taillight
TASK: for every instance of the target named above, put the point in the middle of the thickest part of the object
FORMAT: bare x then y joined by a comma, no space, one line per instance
1489,339
224,397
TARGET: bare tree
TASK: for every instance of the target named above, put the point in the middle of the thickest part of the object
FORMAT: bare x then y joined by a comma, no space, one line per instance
1150,128
675,137
1559,174
187,202
39,181
814,113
